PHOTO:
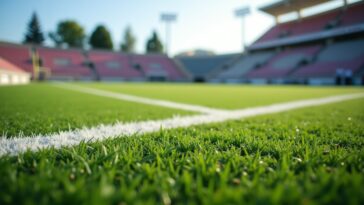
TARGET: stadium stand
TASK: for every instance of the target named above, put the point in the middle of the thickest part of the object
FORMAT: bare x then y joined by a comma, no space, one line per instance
316,23
73,64
11,74
64,64
158,67
277,31
345,57
333,23
324,48
305,54
282,64
246,63
19,55
112,66
303,26
201,67
352,15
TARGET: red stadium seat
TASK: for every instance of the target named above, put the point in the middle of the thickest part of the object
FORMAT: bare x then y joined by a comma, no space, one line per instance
18,55
113,66
285,62
334,57
353,15
158,66
65,64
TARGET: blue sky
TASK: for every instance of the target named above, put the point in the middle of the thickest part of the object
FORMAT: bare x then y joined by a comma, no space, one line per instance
206,24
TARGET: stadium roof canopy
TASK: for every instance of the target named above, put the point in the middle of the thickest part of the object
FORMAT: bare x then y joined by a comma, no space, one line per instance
286,6
7,66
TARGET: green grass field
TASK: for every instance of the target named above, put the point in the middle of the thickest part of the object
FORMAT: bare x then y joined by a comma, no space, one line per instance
224,96
306,156
42,108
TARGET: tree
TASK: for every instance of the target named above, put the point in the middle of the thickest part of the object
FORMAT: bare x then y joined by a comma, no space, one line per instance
34,33
128,44
154,45
100,38
69,33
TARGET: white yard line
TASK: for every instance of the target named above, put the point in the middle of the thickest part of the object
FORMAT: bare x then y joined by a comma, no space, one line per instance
15,146
143,100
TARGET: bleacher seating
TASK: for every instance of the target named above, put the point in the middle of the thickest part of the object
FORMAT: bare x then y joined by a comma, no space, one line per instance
289,52
201,67
354,14
336,18
348,55
285,62
245,64
19,55
114,66
64,64
316,23
158,67
305,25
278,31
293,65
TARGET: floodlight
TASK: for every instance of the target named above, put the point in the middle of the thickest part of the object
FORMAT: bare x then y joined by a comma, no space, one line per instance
168,18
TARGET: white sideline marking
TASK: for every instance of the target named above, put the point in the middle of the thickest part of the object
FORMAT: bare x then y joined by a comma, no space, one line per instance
132,98
15,146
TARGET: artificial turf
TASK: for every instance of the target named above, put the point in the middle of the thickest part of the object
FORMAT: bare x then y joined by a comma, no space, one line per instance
223,96
44,108
308,156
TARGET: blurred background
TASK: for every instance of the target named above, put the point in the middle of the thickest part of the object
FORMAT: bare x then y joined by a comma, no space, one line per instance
316,42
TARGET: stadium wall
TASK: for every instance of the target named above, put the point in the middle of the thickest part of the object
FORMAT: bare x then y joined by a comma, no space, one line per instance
10,74
13,78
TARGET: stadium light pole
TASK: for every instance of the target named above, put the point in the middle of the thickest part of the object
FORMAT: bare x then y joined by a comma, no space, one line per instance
242,13
168,18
